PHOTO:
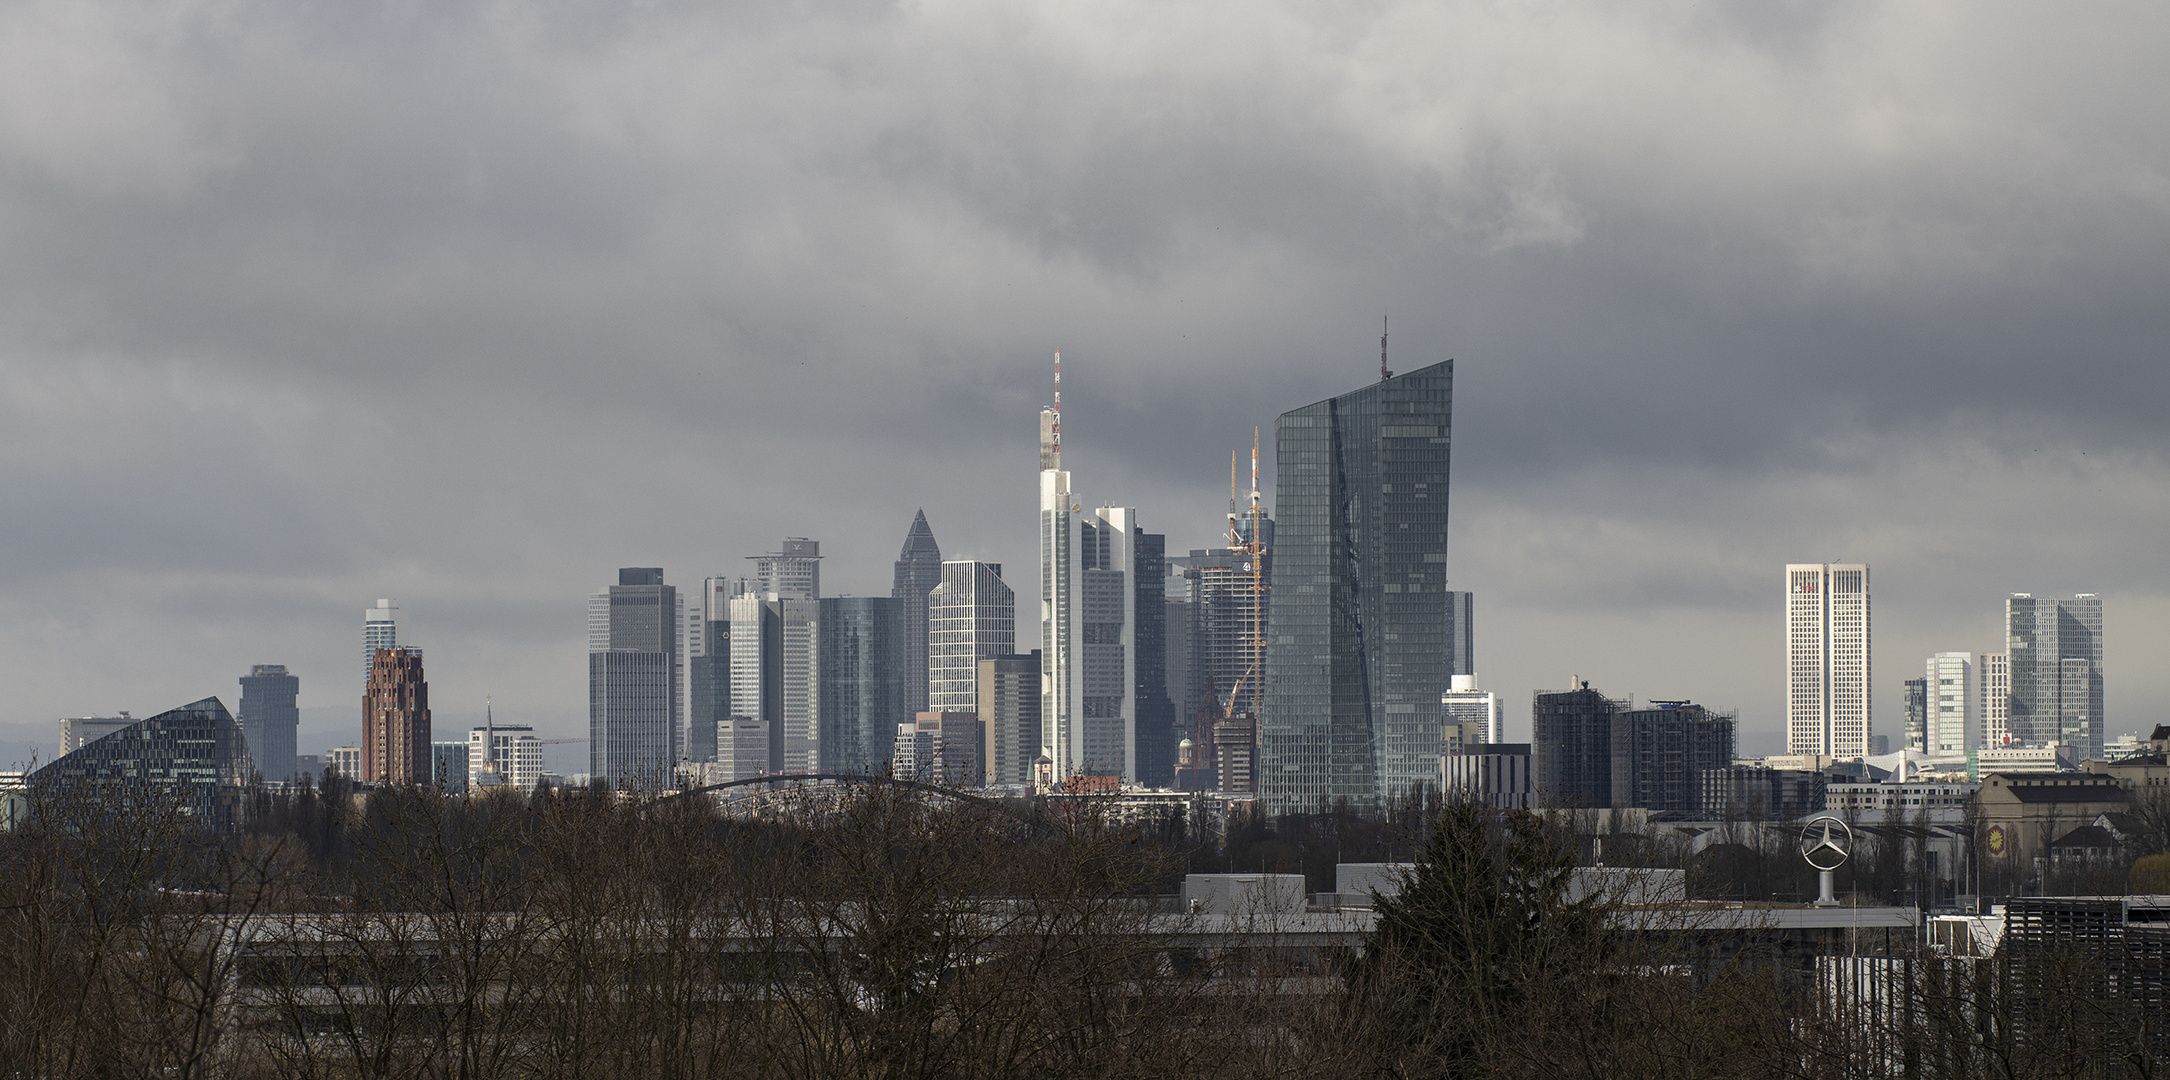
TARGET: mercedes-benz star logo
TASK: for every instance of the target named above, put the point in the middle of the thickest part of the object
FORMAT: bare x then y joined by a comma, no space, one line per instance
1826,842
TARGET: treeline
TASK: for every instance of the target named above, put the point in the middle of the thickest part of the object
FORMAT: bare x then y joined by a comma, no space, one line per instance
881,933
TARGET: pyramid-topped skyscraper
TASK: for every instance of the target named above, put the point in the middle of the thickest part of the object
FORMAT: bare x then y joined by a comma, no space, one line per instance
919,570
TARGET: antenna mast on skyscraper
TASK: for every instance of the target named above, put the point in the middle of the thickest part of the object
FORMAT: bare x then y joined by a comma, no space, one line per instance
1058,405
1384,374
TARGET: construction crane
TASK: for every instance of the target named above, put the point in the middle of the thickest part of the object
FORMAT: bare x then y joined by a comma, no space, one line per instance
1250,543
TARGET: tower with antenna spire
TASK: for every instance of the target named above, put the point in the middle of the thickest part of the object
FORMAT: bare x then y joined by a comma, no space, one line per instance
1104,706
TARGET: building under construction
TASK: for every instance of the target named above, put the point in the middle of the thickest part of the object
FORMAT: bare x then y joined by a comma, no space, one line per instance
1226,591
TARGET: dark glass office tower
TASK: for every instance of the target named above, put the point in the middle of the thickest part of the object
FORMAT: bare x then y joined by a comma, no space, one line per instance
864,671
195,755
708,669
919,570
1156,736
633,680
1358,613
269,717
1461,635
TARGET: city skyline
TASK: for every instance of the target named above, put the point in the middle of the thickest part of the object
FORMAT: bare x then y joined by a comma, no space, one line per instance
293,326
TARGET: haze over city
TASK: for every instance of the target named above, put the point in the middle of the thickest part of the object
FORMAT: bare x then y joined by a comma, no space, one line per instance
466,306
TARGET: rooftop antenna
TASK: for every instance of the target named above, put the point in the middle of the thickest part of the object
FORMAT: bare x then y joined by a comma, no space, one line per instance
1384,374
489,735
1058,404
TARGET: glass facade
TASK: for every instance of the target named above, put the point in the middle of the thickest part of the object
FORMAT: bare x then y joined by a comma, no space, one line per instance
270,718
1358,613
633,680
2055,672
865,672
918,571
196,754
971,614
1155,741
1009,712
1917,714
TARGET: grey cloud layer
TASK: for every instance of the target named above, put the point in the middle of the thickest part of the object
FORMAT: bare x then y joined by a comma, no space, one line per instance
469,303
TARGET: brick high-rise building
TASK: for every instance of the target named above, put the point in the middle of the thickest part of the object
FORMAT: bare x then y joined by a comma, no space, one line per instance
395,719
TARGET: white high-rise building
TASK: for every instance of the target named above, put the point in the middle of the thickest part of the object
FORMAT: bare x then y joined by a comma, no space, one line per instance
380,630
1953,724
1088,622
510,750
971,616
1996,698
775,660
1827,659
1463,703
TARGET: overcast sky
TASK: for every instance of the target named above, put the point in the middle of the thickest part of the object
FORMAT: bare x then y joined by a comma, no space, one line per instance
468,305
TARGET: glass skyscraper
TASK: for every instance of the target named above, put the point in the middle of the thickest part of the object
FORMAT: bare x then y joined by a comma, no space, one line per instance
270,718
380,630
2055,665
918,571
970,615
865,673
1358,612
633,680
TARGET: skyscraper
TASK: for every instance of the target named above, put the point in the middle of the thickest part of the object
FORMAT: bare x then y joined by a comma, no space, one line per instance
757,683
776,661
1089,623
2055,650
708,667
380,630
395,719
270,718
1009,711
1995,678
1463,703
865,645
633,680
1153,753
1827,659
1953,709
1358,609
1461,634
1917,714
918,571
970,615
1225,590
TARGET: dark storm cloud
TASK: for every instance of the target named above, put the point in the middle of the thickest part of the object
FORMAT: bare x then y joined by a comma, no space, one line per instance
468,304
